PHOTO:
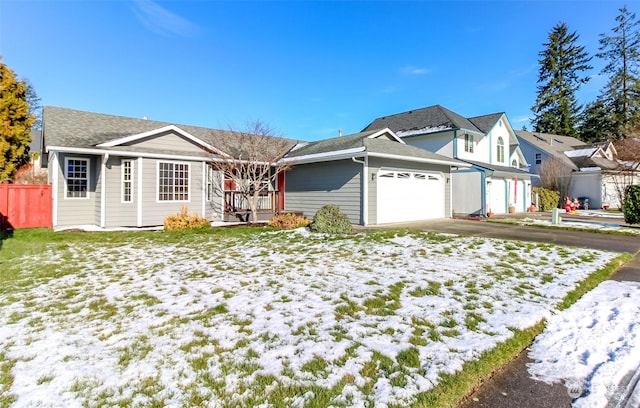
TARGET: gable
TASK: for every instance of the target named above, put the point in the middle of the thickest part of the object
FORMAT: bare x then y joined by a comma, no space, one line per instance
166,141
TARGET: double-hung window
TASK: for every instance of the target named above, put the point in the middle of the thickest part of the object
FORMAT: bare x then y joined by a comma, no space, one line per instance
500,150
538,158
468,143
173,181
77,176
127,181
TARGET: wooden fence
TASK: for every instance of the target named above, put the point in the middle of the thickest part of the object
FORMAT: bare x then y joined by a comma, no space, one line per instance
25,206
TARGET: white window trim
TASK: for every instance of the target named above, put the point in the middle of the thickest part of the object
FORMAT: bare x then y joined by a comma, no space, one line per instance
158,200
131,181
66,177
500,149
469,141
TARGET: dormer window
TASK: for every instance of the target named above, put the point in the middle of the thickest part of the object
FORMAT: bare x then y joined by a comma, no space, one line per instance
500,152
468,143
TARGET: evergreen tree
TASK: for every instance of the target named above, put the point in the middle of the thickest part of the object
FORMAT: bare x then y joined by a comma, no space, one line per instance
15,122
561,73
621,95
596,124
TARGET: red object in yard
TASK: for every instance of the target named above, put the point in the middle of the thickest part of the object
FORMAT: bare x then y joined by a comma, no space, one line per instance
25,206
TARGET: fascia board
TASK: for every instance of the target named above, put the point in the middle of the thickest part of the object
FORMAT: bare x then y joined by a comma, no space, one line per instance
123,153
387,131
419,159
325,156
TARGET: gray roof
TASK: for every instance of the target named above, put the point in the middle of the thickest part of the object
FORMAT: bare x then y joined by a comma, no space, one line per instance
433,118
384,144
501,169
486,122
552,144
72,128
36,139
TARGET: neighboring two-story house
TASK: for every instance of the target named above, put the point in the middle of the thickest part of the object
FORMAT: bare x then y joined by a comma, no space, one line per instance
498,180
596,172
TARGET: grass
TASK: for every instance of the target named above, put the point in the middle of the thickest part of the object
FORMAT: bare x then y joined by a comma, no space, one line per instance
211,305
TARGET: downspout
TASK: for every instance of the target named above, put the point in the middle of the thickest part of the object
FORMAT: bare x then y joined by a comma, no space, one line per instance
365,188
455,144
53,164
103,195
483,193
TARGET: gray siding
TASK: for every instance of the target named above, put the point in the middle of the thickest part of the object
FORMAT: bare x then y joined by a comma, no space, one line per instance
310,186
154,211
168,141
467,192
375,164
118,213
77,211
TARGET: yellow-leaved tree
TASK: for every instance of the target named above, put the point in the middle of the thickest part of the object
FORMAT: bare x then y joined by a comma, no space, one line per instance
15,122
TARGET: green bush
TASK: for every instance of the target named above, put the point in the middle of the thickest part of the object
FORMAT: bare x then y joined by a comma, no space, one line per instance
547,199
330,219
631,205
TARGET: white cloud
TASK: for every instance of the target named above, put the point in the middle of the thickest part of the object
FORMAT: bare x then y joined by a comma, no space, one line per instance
411,70
161,21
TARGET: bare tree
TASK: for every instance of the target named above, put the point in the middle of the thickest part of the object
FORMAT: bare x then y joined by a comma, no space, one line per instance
250,160
628,160
555,175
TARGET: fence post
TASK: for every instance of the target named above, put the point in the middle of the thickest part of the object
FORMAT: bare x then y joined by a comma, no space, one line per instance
4,205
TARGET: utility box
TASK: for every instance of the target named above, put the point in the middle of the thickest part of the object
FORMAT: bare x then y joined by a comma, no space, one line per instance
555,216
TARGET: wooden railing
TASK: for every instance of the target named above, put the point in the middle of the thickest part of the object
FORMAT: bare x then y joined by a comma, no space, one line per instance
235,201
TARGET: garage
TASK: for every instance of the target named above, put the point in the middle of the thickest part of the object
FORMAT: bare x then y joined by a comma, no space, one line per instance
404,195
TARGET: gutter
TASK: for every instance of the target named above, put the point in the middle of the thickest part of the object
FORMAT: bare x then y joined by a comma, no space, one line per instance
420,160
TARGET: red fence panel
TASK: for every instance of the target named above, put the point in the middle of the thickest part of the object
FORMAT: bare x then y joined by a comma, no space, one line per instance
25,206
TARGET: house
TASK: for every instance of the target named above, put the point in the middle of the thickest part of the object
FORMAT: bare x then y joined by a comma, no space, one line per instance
596,172
112,171
497,179
374,176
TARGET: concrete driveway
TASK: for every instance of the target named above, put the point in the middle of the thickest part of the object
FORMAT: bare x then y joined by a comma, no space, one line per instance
512,387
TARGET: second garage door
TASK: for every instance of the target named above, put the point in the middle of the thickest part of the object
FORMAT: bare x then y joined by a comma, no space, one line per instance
409,196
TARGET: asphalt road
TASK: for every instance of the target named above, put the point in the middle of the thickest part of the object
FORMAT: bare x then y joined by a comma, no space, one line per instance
511,387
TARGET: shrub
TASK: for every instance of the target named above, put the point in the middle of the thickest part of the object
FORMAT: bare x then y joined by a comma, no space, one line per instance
631,204
289,221
330,219
547,199
183,220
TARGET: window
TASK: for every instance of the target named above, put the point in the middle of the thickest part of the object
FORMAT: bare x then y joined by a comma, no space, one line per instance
514,163
538,158
468,143
77,178
173,181
127,181
500,150
209,186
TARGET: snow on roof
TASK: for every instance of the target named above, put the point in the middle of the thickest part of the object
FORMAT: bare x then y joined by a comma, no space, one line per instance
581,152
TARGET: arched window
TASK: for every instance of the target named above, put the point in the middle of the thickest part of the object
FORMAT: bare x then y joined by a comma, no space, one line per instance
514,163
500,150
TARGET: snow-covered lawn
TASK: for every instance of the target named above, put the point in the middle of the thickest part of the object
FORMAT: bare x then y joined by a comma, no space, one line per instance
593,345
269,319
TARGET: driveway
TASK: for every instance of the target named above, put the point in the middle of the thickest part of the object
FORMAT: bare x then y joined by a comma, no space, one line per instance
512,386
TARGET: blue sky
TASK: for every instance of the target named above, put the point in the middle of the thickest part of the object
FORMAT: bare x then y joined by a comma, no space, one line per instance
307,68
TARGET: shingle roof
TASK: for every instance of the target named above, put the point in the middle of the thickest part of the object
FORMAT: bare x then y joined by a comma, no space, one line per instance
486,122
552,144
380,145
424,120
73,128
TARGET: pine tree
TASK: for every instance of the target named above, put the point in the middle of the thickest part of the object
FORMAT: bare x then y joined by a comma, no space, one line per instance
621,95
561,73
15,122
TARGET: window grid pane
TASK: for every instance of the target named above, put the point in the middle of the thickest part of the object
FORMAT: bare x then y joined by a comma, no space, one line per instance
127,180
77,178
173,182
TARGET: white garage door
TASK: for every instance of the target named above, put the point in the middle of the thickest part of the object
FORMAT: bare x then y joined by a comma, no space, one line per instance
409,196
